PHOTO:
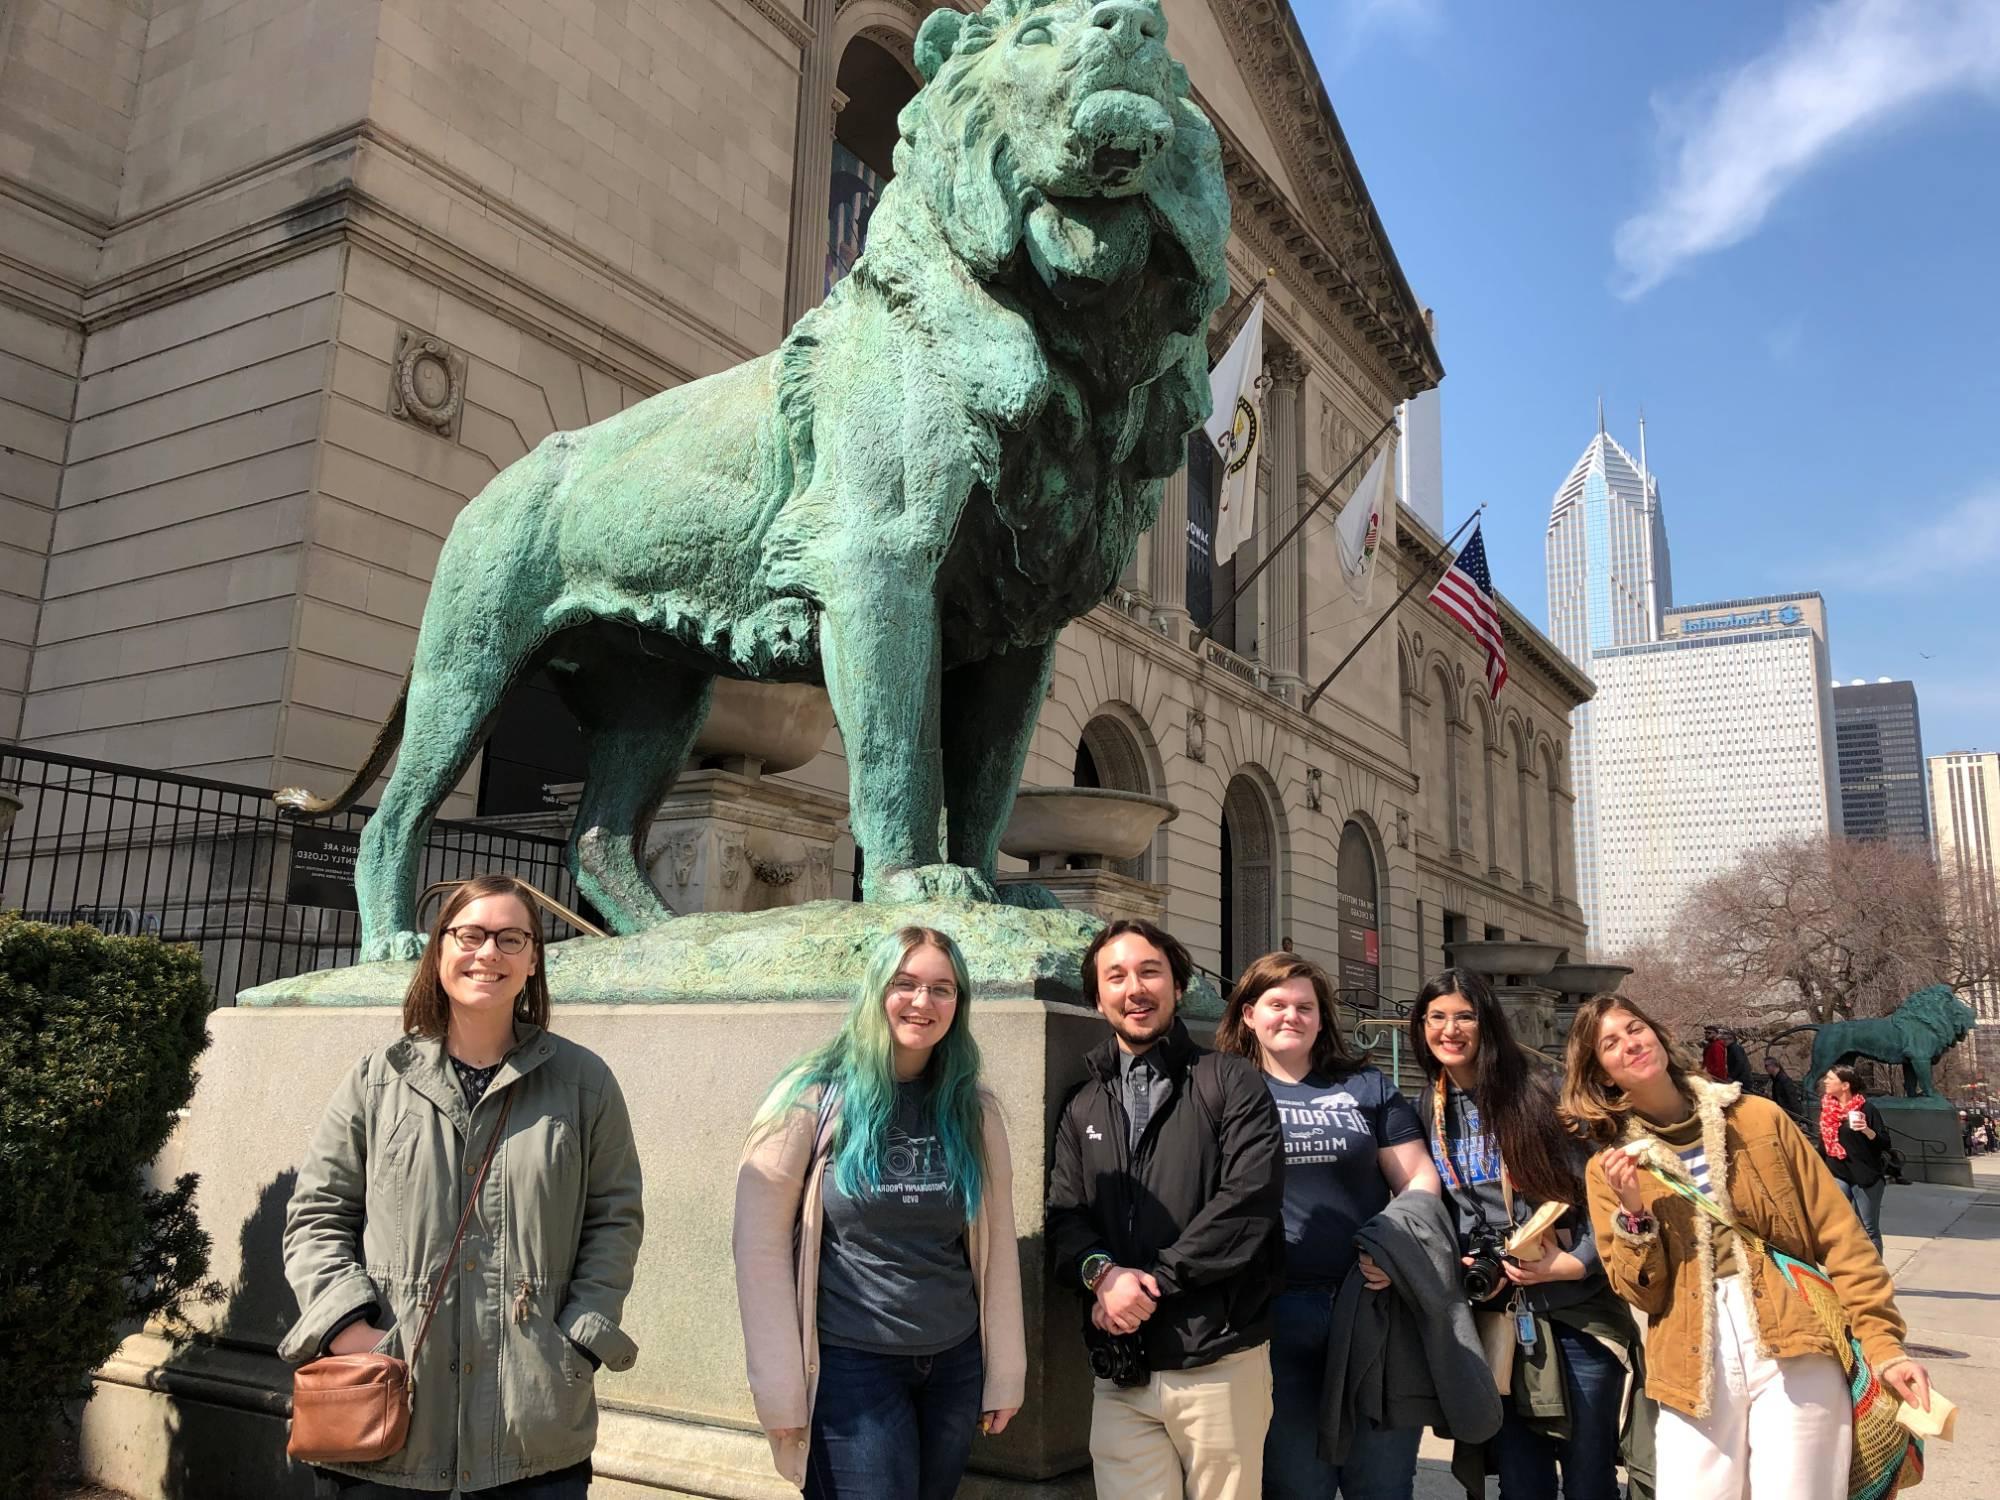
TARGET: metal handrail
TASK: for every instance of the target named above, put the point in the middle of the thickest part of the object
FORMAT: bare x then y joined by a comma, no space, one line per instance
548,903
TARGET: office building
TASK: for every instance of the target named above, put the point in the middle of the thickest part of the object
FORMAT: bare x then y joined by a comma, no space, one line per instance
1709,742
1609,580
1880,749
1965,812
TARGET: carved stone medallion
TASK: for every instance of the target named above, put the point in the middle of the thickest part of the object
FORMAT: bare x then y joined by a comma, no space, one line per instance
427,384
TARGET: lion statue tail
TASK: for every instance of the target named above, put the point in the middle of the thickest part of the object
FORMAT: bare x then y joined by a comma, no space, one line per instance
297,802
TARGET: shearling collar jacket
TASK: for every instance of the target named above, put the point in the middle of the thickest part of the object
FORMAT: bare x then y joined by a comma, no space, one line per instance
1766,1176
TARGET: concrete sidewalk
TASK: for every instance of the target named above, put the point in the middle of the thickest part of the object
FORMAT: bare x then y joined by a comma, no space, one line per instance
1940,1245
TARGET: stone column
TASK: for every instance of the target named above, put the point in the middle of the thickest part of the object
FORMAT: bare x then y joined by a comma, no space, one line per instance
812,166
1284,620
1169,560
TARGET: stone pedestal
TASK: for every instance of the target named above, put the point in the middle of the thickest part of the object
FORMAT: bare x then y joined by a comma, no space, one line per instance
1104,894
208,1419
1534,1014
730,841
1926,1132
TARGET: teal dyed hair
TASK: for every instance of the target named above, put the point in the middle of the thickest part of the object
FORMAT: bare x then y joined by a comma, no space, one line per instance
859,1060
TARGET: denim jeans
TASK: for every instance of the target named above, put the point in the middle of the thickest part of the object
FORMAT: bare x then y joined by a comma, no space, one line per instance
1867,1203
572,1483
1594,1382
1382,1464
893,1426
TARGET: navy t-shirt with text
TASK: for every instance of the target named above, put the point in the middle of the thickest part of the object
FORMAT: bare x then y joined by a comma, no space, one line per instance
1333,1177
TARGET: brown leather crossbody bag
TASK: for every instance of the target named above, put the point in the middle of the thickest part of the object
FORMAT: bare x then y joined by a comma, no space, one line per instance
355,1408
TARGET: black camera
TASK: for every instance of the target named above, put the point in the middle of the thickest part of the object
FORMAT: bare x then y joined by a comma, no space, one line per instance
1117,1357
1486,1275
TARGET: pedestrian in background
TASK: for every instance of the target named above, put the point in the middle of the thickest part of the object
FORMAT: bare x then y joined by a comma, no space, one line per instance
1166,1209
1735,1061
1856,1141
1785,1090
1352,1142
1714,1054
1753,1398
505,1406
877,1273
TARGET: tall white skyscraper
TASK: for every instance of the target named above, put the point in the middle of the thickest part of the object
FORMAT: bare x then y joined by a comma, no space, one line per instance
1609,584
1965,820
1712,741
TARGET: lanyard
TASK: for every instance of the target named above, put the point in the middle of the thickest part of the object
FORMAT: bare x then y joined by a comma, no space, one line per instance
1441,1150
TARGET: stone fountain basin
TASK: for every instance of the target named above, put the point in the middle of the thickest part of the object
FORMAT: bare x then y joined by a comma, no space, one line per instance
1586,979
783,724
1083,820
1527,960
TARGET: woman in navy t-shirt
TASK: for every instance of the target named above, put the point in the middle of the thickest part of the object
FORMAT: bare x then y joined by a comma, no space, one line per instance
1351,1143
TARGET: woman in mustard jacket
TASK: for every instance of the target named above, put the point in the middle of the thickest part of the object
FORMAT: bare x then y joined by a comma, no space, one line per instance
1753,1399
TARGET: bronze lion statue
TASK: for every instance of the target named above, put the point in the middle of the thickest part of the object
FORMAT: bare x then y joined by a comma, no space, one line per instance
941,465
1915,1034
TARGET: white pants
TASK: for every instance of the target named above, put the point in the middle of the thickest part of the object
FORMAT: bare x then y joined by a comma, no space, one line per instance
1777,1429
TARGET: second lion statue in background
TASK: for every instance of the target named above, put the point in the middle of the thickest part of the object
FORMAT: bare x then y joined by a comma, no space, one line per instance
939,467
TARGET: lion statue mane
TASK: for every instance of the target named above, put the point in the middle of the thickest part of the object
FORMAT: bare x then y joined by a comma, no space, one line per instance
941,465
1915,1035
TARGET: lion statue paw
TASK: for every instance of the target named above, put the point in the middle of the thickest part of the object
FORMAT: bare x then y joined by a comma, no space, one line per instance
394,945
935,883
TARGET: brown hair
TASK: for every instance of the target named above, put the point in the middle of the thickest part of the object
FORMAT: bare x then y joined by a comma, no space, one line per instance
1592,1105
426,1007
1178,961
1329,1053
1848,1075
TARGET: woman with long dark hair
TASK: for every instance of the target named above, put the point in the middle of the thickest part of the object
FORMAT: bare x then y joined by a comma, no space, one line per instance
1490,1114
876,1268
504,1386
1352,1142
1753,1396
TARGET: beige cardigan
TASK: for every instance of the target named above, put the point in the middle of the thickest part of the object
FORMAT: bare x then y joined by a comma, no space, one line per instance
779,1217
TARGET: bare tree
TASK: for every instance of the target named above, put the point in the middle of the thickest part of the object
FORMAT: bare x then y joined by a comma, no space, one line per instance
1827,929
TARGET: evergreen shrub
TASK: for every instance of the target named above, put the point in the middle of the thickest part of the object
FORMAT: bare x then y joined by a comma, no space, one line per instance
98,1040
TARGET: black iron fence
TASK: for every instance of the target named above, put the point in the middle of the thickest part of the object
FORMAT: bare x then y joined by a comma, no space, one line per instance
212,863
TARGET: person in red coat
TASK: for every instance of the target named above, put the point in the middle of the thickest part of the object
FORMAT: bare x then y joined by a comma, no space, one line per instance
1714,1054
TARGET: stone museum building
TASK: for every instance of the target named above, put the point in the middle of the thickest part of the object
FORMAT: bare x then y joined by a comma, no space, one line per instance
283,283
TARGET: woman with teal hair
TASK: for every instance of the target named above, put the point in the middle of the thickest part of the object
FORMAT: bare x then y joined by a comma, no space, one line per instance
876,1268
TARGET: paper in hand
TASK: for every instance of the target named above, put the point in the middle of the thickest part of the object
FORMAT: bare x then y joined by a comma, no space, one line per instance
1938,1422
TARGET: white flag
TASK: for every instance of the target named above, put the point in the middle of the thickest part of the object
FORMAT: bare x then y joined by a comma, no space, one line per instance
1358,532
1236,428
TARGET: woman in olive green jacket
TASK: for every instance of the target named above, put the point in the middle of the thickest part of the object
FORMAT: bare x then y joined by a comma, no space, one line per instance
503,1387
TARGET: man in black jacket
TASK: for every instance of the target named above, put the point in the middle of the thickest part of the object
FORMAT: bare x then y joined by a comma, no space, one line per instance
1165,1208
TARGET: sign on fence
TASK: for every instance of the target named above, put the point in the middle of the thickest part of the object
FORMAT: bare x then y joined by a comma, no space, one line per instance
322,868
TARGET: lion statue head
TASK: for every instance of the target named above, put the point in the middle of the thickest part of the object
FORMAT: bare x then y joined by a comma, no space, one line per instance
1941,1014
1048,256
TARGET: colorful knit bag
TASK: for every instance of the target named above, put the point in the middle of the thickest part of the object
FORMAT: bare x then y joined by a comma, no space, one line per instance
1888,1457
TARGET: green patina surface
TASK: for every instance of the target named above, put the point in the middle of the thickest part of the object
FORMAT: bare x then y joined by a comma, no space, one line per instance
811,952
941,465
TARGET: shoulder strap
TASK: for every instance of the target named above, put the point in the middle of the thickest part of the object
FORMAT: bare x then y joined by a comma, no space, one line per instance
1706,1204
1207,1091
458,1236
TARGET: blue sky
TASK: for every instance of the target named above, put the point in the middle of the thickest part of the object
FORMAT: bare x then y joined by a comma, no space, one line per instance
1777,228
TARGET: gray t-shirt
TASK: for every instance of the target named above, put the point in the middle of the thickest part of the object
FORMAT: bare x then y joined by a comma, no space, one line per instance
893,1273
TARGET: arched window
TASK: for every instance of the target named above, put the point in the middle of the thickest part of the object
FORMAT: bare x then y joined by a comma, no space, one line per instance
1560,840
1111,755
1360,944
1249,875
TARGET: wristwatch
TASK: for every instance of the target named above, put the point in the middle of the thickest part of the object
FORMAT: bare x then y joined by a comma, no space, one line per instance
1636,1223
1095,1268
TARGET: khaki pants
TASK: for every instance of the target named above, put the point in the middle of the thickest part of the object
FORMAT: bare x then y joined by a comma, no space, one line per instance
1193,1432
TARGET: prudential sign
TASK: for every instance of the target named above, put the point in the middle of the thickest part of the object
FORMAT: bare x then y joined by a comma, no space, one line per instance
1749,619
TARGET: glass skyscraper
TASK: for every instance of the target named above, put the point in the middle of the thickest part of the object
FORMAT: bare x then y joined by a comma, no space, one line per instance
1609,583
1882,789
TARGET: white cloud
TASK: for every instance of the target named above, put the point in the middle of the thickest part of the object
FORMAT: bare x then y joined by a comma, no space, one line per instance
1744,137
1359,22
1964,539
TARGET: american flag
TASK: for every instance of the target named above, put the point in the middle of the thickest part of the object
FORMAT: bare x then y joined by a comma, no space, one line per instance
1466,594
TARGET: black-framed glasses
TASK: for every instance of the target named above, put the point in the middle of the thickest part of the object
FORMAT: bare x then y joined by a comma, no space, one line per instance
509,940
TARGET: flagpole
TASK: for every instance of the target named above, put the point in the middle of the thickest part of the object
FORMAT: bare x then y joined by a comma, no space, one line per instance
1249,301
1421,574
1271,553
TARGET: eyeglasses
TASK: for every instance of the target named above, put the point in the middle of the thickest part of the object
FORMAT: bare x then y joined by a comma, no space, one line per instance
509,940
944,991
1443,1021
